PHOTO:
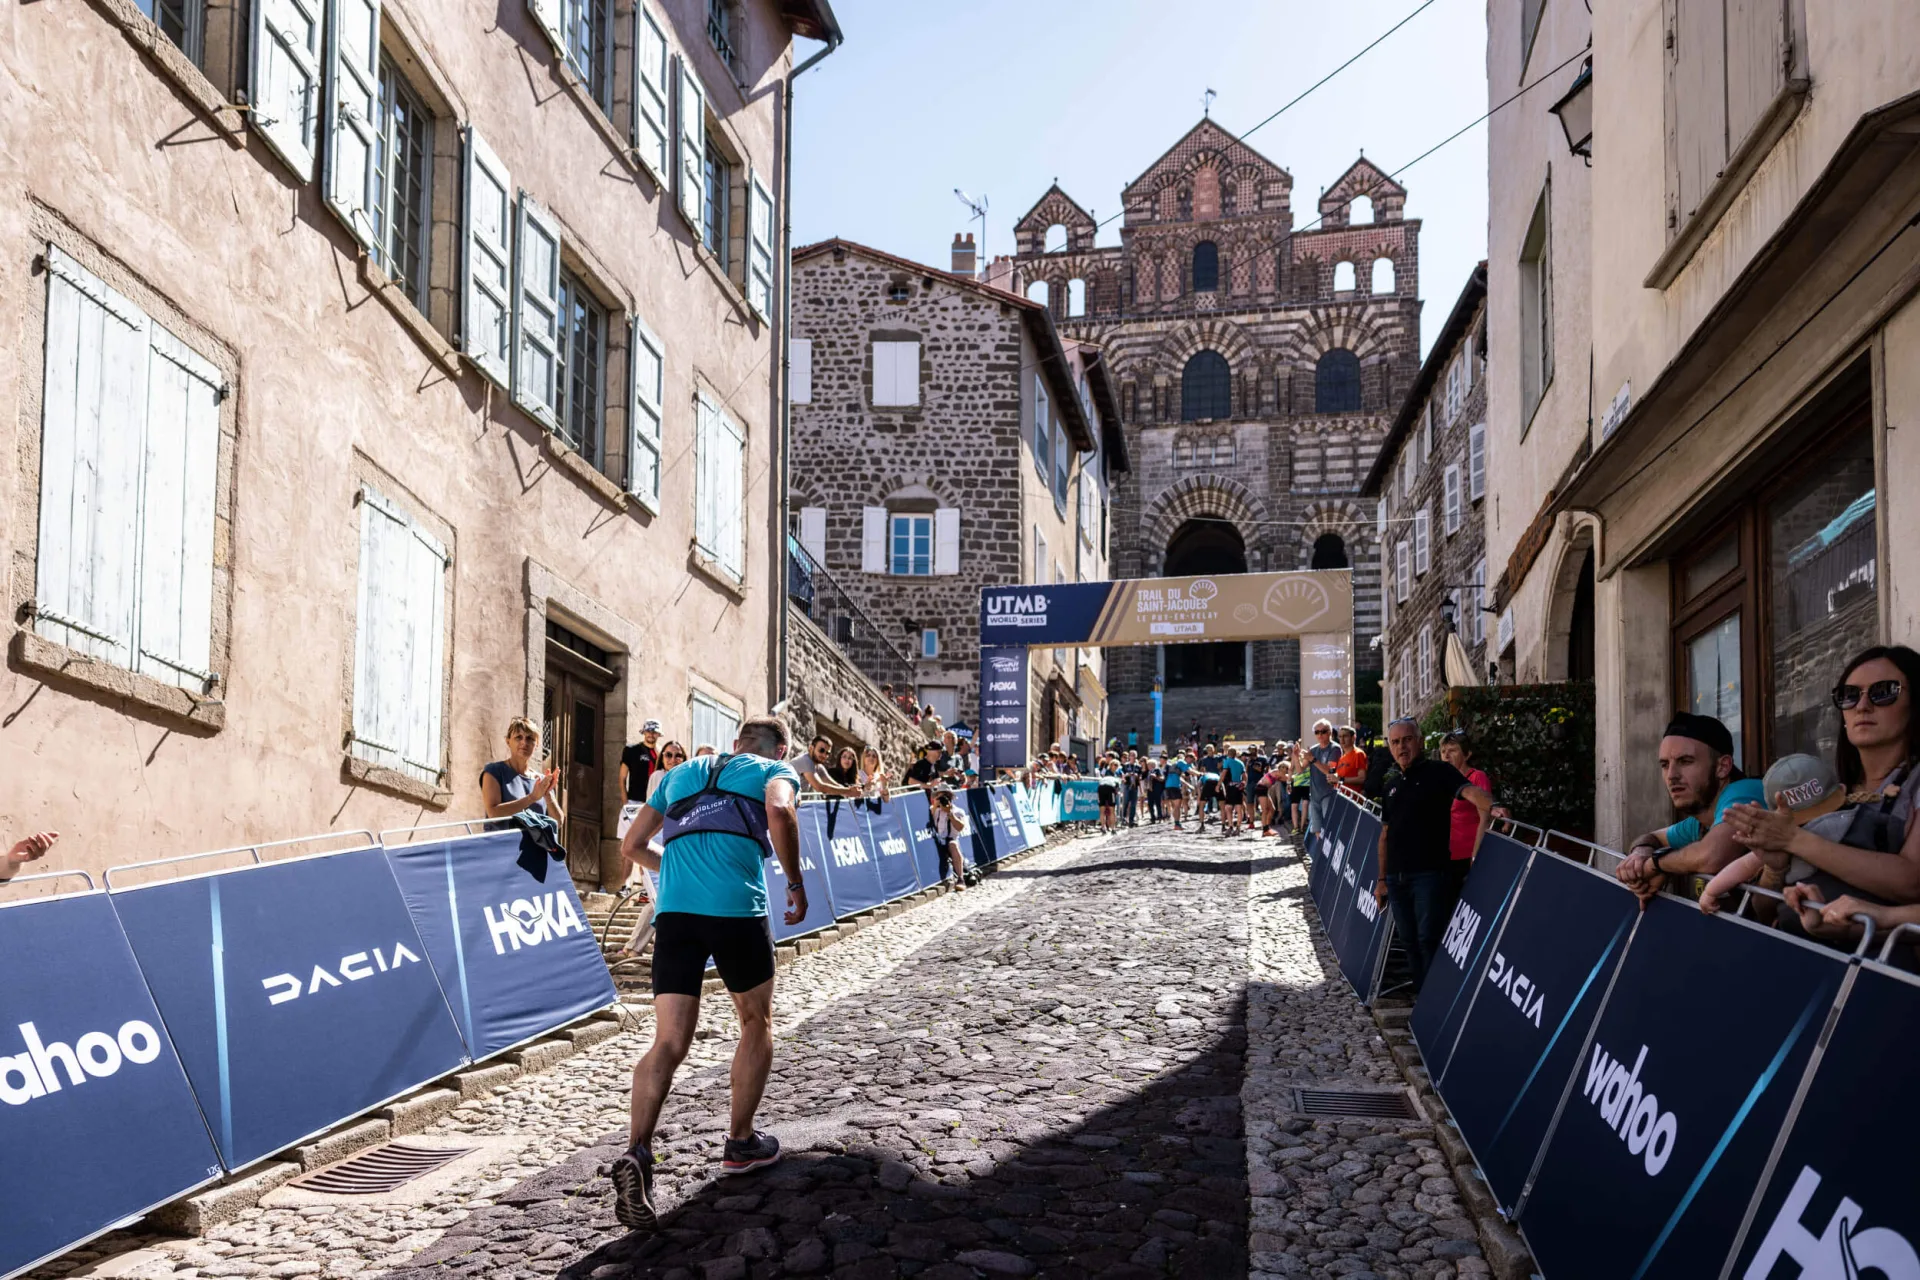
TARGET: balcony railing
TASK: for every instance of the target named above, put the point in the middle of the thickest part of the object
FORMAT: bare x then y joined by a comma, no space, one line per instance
813,591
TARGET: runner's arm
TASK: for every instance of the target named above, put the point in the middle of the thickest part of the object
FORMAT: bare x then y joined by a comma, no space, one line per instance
634,845
783,829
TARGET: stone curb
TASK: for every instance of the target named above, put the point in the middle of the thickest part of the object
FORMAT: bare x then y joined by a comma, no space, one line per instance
1500,1244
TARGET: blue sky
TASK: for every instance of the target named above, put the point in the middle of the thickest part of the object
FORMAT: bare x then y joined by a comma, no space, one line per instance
1000,97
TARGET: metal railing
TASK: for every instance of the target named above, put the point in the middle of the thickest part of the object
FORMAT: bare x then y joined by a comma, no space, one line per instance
812,590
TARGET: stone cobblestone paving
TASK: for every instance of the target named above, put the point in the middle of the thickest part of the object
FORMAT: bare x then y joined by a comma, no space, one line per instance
1082,1068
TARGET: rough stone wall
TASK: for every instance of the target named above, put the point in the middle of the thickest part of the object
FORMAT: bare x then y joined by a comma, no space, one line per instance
830,695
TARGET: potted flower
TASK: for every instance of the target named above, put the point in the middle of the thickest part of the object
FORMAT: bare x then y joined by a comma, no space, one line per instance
1559,721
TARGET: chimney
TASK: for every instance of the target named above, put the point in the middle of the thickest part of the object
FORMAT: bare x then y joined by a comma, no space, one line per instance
963,255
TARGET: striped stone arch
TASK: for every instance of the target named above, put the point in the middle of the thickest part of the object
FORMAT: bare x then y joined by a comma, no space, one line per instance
1202,495
1327,328
892,482
1209,333
1335,516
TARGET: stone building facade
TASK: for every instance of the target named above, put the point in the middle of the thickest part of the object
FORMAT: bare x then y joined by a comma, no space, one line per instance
1257,364
440,387
1430,482
946,439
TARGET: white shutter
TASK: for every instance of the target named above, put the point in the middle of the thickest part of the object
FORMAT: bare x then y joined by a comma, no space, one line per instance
536,312
732,458
800,370
1042,449
946,540
693,147
873,539
1422,546
882,373
1380,519
1402,569
286,79
400,651
548,15
906,372
176,515
1450,486
93,417
426,624
813,533
1479,596
705,508
487,262
759,247
651,132
647,362
1477,461
353,87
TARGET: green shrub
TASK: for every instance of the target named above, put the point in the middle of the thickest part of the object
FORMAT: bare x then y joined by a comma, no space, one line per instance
1535,741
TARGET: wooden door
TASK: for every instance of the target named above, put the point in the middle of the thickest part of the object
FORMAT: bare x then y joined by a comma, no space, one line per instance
574,729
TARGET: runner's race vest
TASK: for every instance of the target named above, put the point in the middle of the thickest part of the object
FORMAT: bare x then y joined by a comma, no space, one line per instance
711,811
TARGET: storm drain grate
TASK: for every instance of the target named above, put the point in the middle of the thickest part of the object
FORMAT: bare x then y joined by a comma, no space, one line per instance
379,1170
1370,1105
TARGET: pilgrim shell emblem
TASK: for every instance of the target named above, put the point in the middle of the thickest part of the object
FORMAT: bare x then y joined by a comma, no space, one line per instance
1295,603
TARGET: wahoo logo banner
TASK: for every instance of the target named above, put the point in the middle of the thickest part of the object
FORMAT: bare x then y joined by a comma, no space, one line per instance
892,848
813,877
1476,922
1530,998
1673,1109
96,1115
916,815
513,952
297,993
1844,1200
847,853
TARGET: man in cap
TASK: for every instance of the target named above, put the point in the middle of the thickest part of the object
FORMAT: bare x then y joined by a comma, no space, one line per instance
638,761
1697,765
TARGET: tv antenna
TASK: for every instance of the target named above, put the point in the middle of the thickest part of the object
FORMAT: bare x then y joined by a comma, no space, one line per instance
979,210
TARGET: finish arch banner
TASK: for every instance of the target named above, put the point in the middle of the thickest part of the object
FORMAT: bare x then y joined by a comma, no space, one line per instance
1466,948
846,851
97,1120
297,993
1672,1111
887,833
514,952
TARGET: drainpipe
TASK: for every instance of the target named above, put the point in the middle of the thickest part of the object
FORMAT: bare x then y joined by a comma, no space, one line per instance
783,674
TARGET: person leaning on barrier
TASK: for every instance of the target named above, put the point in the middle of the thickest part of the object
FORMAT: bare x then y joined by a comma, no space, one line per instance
1696,762
815,769
718,819
920,773
510,786
1415,845
30,849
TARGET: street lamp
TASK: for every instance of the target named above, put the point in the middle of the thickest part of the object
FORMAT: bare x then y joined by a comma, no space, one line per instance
1447,612
1575,110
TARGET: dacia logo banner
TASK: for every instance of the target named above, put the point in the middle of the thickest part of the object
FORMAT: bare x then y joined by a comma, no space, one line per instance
95,1112
295,992
1476,921
514,952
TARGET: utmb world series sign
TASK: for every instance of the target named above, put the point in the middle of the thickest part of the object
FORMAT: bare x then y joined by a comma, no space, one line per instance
1315,608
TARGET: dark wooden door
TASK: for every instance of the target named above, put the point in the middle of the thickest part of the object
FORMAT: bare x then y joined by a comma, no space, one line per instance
575,723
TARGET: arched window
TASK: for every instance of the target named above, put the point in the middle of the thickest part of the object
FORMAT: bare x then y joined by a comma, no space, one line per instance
1329,552
1206,267
1229,199
1204,387
1056,241
1076,297
1360,212
1182,452
1343,277
1383,275
1183,202
1037,292
1336,382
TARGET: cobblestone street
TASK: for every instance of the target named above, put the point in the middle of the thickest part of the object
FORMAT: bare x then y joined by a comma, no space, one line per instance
1082,1068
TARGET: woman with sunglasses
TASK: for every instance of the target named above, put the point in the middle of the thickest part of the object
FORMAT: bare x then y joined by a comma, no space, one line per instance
1875,756
873,777
672,755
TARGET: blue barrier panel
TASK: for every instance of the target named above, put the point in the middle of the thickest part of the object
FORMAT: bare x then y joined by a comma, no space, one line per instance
298,994
514,952
853,872
813,875
1464,948
983,831
1844,1199
1343,876
1363,934
887,833
1029,815
1011,835
1055,812
99,1123
1531,1000
1079,800
1673,1107
928,857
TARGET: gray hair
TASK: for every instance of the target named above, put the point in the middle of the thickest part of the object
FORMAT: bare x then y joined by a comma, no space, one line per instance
764,736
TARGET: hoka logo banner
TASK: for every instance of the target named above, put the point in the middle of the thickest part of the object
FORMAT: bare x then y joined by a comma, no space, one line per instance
849,851
352,968
528,922
1842,1251
1461,931
1630,1110
95,1055
1518,988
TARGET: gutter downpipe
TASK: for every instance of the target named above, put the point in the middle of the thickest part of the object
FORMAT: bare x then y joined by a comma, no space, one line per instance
783,673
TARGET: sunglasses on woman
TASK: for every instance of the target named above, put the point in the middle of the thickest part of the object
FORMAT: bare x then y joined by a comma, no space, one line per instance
673,755
1881,693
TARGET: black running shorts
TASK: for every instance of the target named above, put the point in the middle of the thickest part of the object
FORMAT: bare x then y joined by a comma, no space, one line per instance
1234,794
741,948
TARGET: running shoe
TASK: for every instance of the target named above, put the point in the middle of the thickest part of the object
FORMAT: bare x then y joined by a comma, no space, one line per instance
744,1155
632,1176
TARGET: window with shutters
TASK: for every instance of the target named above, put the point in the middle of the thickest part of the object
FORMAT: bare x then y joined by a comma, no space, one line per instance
581,417
1477,461
714,224
181,21
721,29
910,545
1450,500
402,183
400,643
285,79
132,440
720,448
1422,544
714,723
896,374
588,25
1536,312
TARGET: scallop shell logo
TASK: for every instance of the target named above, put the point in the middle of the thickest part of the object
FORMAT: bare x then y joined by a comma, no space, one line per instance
1203,589
1296,602
1244,612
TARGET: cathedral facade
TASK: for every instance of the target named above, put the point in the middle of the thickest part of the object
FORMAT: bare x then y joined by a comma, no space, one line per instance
1258,366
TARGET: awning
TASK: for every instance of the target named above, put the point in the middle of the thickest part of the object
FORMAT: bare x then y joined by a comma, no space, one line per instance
1460,672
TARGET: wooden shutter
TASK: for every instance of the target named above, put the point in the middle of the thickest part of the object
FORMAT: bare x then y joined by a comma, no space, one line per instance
731,459
1757,53
1422,546
1402,570
93,416
426,567
400,649
873,539
1380,519
353,88
759,246
487,263
1042,447
175,618
1450,485
647,361
800,370
1477,461
705,501
1697,102
882,393
813,533
550,17
906,372
946,540
536,312
693,147
286,79
1062,465
651,130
